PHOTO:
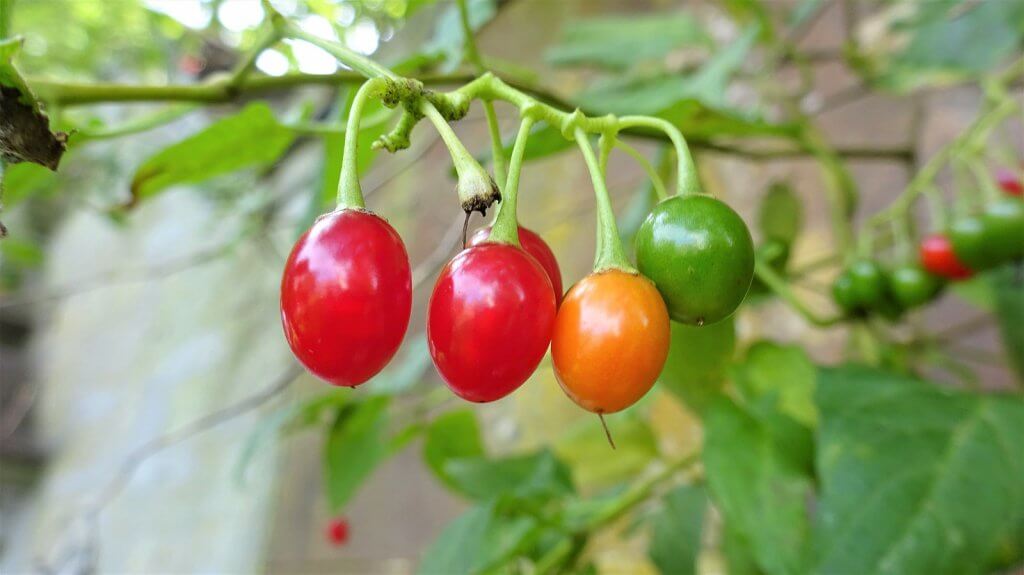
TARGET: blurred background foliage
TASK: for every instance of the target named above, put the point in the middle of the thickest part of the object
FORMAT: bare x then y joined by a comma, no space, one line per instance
770,445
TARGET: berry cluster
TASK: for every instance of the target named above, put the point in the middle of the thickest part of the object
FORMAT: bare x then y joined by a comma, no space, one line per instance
346,298
976,242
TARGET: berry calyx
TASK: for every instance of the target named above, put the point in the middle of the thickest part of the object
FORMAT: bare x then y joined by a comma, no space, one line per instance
346,296
536,247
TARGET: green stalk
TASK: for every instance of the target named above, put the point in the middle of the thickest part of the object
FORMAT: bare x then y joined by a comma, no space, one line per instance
687,183
777,284
6,15
349,193
506,227
609,253
357,62
476,189
659,186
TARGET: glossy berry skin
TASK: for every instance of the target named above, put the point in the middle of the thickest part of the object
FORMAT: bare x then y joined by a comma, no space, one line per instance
536,247
610,340
1010,183
1004,229
489,321
346,296
971,243
699,254
911,286
337,531
868,284
938,258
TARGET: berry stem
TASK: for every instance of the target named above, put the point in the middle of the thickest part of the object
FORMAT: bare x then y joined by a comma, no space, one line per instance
506,227
687,182
476,189
659,185
609,253
349,193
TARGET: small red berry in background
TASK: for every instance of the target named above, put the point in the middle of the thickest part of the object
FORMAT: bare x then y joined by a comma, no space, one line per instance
938,258
337,531
1010,182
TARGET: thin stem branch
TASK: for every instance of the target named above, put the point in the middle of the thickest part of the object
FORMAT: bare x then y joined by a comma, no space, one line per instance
777,284
687,180
506,227
349,193
659,186
609,253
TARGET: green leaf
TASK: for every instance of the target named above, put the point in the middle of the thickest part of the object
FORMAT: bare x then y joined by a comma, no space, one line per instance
404,371
914,478
25,180
677,526
356,444
652,94
475,541
448,37
698,358
621,42
781,375
251,138
452,436
25,134
537,476
944,41
1008,289
760,491
584,448
20,252
781,215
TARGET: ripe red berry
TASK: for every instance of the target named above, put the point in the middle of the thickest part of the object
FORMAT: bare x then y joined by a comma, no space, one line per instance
938,258
536,247
1010,182
346,296
489,320
337,531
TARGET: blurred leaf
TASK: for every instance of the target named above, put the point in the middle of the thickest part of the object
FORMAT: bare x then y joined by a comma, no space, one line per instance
1007,285
451,436
914,478
404,371
976,291
943,41
761,494
25,180
781,375
356,444
781,215
753,12
20,252
25,134
804,10
620,42
474,541
252,137
698,358
584,448
268,429
676,530
537,476
448,37
653,94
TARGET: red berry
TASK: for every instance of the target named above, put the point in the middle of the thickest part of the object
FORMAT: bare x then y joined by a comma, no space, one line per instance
489,320
337,531
1010,183
536,247
938,258
346,296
